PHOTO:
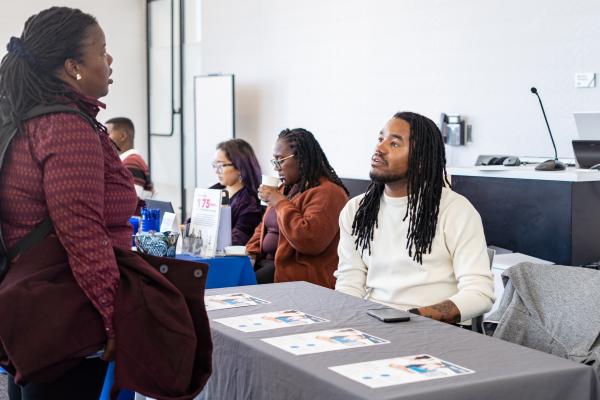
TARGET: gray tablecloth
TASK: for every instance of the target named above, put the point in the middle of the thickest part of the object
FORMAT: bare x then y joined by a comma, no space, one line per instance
244,367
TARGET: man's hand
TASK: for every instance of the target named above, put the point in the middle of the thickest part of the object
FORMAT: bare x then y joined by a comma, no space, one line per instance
270,195
109,350
446,311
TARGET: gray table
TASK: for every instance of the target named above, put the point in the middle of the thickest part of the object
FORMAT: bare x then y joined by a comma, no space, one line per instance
244,367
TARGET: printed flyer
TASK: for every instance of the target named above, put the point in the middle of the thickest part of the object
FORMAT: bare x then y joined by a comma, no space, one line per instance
400,370
231,300
271,320
321,341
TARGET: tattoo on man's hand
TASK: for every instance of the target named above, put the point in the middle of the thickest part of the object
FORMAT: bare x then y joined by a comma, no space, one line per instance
445,311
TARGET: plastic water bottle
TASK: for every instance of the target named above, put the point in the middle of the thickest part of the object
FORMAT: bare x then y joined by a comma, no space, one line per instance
135,224
150,219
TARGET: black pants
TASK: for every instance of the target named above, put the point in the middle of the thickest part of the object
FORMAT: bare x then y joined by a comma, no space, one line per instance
83,382
265,271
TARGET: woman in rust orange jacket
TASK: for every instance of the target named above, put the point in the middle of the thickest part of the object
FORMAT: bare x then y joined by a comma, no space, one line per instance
298,236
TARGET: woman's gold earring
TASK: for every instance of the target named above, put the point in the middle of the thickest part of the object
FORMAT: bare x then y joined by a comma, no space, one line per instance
78,77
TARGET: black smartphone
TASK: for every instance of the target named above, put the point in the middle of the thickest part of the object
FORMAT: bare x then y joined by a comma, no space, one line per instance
388,314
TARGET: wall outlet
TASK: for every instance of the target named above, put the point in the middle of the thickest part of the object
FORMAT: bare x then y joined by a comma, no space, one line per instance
585,80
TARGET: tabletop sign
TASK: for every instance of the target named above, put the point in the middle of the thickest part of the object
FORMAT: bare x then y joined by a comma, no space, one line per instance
206,209
168,223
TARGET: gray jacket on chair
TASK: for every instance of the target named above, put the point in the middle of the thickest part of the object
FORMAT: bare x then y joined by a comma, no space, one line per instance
554,309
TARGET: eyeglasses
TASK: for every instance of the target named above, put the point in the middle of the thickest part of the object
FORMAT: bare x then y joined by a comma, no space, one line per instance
277,163
218,167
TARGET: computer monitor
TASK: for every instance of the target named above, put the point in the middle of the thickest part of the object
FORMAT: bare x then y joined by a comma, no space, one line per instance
587,153
588,125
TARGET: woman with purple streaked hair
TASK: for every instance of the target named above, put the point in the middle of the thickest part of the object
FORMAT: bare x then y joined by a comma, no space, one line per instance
238,172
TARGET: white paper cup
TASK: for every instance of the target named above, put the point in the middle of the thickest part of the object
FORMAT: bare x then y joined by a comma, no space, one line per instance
269,180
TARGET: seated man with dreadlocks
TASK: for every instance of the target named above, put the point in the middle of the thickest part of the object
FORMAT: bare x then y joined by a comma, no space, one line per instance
298,237
410,242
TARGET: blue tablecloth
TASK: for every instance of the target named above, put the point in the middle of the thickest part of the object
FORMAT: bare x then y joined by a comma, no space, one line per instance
226,271
222,272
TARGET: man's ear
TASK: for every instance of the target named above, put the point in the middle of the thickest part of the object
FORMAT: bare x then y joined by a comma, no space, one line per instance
123,136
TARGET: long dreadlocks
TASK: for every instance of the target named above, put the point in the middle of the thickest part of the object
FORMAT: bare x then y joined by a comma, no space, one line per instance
312,161
426,177
27,71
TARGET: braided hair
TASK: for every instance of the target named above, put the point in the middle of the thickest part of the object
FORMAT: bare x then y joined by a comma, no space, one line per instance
426,177
28,71
312,162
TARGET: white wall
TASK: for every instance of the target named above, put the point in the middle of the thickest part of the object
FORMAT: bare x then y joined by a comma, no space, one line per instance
124,24
342,68
166,159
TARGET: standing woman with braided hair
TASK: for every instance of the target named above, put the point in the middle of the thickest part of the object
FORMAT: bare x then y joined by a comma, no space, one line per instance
298,237
61,169
410,242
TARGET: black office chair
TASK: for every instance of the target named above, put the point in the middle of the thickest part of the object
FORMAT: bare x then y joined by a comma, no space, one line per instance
356,186
477,322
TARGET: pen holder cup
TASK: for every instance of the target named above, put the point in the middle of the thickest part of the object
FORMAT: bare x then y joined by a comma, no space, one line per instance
192,245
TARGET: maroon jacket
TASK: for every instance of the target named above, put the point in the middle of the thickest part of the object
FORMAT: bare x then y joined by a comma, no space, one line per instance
162,336
61,167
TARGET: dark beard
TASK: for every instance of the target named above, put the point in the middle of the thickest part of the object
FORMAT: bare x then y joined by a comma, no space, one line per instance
383,179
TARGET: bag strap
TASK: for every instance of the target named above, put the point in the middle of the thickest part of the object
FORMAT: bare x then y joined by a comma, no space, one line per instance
11,128
32,238
42,230
40,110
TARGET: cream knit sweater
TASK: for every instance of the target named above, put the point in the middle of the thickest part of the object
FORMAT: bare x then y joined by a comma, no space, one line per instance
457,268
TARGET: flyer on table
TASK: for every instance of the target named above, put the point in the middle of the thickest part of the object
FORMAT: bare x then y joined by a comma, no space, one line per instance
231,300
400,370
270,320
321,341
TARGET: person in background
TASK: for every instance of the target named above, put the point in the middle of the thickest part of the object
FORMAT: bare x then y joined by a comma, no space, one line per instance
298,237
122,133
59,166
238,172
410,242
